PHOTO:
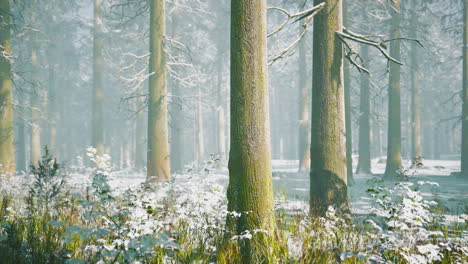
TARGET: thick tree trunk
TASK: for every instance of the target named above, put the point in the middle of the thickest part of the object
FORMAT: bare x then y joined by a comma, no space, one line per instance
394,104
158,141
364,163
328,175
98,96
250,179
304,121
464,145
7,150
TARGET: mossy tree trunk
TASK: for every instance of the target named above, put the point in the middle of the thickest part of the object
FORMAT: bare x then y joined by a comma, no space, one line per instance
328,176
7,151
98,96
158,142
464,146
250,190
364,163
394,102
304,120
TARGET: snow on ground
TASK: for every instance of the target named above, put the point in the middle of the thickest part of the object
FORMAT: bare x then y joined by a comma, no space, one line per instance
452,193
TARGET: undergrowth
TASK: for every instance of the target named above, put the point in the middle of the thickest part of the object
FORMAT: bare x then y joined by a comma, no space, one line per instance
183,221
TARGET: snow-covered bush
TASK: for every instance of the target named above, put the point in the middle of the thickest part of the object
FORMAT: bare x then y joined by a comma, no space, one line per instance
405,229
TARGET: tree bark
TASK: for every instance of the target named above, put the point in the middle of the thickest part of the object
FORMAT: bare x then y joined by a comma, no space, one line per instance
464,145
328,175
158,142
250,177
394,104
7,150
364,163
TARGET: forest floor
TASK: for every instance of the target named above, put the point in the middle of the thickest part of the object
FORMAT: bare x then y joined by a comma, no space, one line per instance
451,192
186,216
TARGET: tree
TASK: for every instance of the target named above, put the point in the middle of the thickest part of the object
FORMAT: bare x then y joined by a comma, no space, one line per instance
250,190
328,176
304,121
35,101
415,119
364,163
98,95
347,95
394,115
158,143
464,146
177,117
7,151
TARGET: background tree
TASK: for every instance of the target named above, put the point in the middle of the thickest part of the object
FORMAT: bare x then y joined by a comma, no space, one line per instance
415,97
98,94
464,145
158,145
394,110
347,95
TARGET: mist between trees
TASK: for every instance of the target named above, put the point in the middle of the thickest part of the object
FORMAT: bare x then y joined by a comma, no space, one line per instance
340,97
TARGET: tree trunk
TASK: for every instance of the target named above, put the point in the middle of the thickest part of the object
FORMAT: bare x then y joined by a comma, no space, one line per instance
415,119
140,144
35,111
328,175
250,179
98,96
7,150
364,163
304,121
394,104
464,145
176,106
221,118
158,142
348,120
52,108
200,134
20,137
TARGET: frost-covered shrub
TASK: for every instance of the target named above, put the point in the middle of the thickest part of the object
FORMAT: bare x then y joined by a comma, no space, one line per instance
405,229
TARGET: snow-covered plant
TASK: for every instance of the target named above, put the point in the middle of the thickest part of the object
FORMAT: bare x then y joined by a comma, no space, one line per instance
49,180
407,228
